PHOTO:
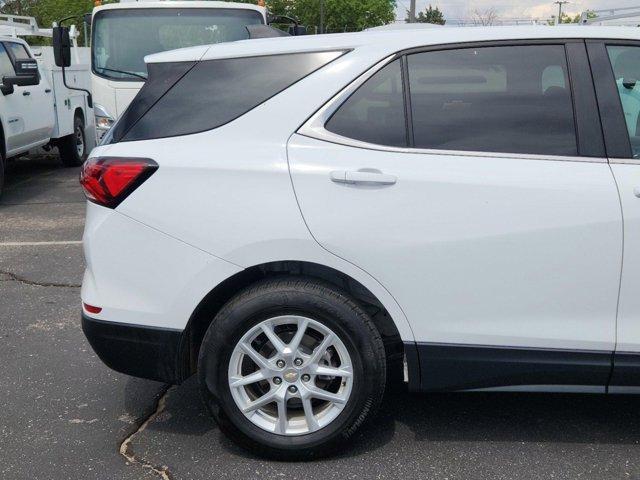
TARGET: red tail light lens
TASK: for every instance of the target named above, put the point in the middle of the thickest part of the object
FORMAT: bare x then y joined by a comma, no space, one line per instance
107,181
91,308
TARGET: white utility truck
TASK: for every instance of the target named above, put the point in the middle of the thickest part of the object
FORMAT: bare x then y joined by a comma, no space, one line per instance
36,108
124,33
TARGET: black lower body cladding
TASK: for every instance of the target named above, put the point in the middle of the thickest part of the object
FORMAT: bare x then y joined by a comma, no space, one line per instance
136,350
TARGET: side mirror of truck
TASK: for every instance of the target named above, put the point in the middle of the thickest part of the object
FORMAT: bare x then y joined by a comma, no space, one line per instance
6,89
27,74
296,30
87,17
62,46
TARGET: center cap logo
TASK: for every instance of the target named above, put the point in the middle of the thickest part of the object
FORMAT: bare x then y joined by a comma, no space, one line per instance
291,376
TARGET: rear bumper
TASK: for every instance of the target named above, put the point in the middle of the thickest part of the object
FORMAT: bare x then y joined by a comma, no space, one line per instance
136,350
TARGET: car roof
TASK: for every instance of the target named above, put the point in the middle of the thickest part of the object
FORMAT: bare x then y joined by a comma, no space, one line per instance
390,40
7,38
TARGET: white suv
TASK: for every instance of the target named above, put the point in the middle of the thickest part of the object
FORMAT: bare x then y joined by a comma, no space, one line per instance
292,218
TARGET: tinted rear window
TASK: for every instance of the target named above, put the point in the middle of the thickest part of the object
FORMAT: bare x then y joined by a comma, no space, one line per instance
216,92
512,99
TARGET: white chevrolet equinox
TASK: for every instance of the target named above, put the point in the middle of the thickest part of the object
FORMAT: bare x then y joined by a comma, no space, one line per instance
296,220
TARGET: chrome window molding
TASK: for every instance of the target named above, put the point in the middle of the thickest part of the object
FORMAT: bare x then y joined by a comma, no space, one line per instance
625,161
314,127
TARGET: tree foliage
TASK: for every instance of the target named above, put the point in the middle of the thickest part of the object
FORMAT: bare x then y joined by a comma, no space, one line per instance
339,15
571,19
48,11
430,15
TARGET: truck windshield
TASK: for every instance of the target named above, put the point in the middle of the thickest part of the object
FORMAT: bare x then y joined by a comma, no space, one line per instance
122,38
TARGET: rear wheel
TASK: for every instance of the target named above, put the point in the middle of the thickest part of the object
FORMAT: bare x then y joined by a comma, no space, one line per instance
73,148
290,368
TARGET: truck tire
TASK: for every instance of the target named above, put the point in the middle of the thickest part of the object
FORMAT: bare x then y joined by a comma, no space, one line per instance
73,148
2,162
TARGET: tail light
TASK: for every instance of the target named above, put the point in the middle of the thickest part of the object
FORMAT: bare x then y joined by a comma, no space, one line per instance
107,181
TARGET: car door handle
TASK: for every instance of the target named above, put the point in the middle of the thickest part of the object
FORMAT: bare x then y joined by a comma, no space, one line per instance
47,90
362,177
636,192
26,94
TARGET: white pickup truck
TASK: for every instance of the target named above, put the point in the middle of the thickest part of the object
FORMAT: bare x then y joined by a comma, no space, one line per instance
37,109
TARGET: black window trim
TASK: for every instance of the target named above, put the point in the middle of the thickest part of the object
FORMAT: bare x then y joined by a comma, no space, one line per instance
588,127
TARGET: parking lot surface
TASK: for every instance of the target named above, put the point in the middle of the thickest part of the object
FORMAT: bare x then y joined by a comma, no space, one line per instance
65,415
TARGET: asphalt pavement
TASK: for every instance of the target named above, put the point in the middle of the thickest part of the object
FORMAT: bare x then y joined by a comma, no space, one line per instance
64,415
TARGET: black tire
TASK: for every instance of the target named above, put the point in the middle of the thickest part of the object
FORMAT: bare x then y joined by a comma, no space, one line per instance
2,164
317,300
70,146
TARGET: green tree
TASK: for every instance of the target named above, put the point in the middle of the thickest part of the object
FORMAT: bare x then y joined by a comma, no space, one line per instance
339,15
571,19
48,11
430,15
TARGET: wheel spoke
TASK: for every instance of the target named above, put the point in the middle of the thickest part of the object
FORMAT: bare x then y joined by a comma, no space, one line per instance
294,344
320,394
258,359
343,372
266,399
277,343
312,423
281,426
248,380
322,348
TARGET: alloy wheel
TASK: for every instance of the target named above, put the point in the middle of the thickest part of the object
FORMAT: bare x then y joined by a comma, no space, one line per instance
290,375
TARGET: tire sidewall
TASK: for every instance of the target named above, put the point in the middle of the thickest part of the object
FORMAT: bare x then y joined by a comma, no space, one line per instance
2,167
344,320
68,145
78,123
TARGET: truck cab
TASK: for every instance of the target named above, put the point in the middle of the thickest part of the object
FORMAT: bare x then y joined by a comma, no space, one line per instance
40,104
26,112
123,34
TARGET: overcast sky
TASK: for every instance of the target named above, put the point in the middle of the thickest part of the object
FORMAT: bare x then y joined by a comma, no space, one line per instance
460,9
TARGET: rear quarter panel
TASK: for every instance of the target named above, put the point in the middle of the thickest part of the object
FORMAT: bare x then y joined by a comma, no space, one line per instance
228,191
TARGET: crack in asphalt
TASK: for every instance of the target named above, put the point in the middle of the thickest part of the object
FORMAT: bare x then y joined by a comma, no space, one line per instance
126,449
17,278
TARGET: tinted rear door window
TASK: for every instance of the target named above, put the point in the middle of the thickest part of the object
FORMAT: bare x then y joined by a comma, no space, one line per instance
375,113
509,99
625,61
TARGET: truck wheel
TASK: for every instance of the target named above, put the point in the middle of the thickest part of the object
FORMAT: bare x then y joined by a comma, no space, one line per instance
73,148
1,172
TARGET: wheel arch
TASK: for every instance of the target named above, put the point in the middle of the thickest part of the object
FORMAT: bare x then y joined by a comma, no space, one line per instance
211,304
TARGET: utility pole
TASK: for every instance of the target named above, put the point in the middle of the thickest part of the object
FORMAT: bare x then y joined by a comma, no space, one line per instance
321,16
412,12
560,3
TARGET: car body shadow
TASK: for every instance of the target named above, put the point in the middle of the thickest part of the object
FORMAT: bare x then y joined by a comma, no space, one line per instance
448,417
